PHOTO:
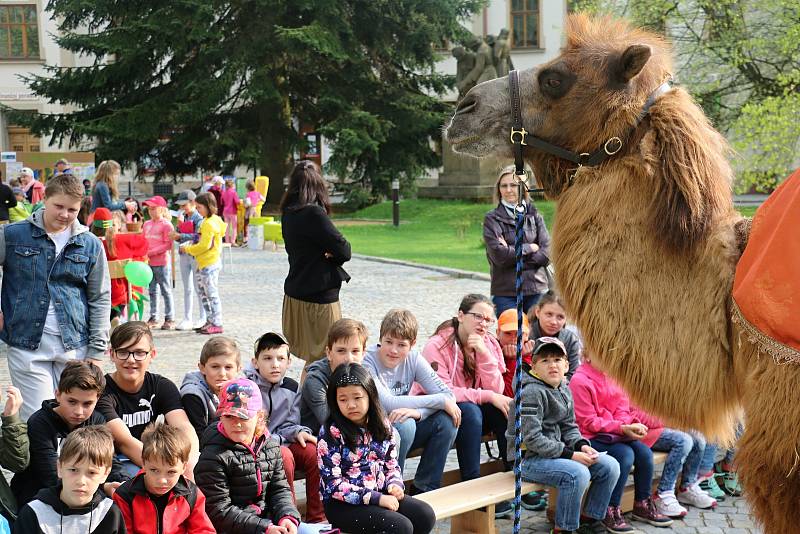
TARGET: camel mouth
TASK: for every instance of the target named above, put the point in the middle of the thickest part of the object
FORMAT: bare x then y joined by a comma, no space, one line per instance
466,145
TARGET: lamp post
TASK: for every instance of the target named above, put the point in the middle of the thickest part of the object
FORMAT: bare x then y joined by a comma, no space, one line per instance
396,202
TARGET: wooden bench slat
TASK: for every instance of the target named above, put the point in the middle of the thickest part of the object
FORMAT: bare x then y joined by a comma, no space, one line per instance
465,496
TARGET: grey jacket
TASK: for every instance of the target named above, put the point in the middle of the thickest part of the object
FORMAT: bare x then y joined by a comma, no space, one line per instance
314,403
394,385
499,230
282,404
548,420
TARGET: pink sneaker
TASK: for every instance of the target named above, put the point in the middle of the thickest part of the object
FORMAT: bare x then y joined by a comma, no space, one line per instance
211,329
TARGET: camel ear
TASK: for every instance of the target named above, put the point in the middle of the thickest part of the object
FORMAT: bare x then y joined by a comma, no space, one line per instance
632,62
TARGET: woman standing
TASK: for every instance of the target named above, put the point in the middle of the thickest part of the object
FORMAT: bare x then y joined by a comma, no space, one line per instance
316,252
499,230
105,193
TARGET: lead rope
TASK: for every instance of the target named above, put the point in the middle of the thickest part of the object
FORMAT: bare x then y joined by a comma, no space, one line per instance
519,210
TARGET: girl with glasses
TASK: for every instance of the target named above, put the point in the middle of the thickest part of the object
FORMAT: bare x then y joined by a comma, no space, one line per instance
469,360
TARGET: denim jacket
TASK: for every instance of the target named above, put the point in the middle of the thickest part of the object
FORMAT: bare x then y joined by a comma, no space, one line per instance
77,280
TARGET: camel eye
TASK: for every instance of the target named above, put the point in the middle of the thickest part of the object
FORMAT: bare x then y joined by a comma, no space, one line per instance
553,83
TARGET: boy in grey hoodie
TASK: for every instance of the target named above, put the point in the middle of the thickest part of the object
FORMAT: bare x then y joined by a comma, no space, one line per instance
554,452
220,361
281,400
428,419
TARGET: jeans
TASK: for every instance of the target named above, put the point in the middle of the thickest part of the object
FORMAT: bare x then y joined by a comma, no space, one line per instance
436,435
207,282
475,422
572,478
161,281
707,461
677,445
634,453
502,304
36,372
128,467
189,278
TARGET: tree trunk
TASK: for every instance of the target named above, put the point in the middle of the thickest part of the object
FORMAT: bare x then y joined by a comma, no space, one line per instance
278,139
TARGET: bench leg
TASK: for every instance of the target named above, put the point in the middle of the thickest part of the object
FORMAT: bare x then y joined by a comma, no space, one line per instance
474,522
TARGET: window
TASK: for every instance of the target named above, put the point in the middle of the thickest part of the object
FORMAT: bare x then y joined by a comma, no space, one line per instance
525,23
19,32
22,140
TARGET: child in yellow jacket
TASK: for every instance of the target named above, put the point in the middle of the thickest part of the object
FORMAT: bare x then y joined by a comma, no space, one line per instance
207,252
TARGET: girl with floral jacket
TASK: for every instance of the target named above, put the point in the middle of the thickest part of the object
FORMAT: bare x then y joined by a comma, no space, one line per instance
362,487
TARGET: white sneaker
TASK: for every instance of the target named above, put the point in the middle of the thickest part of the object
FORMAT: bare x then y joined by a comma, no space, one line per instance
199,324
667,504
695,496
186,324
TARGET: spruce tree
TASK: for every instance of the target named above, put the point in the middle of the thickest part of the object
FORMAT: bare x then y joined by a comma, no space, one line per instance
182,85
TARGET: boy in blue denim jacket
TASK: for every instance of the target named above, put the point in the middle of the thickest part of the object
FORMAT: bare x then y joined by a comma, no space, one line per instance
56,296
554,451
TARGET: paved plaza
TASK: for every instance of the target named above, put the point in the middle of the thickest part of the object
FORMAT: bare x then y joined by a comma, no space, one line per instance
252,293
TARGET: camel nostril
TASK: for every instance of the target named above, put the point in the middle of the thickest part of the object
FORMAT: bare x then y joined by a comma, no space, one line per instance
467,105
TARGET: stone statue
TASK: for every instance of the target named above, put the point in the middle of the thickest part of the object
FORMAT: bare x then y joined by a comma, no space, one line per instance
483,69
465,62
502,53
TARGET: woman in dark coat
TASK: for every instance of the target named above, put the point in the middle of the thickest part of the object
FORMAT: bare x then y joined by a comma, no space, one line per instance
499,230
316,252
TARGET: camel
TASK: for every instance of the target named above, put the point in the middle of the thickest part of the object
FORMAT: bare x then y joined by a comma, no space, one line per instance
646,244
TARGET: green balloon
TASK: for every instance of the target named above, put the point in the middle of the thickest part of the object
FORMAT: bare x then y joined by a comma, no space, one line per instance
138,273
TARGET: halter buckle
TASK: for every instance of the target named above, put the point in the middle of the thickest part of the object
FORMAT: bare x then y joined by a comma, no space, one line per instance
522,135
617,142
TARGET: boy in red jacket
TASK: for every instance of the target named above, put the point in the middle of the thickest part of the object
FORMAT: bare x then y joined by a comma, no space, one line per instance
158,499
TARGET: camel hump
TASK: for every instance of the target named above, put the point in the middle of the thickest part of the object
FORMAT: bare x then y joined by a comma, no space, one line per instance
767,276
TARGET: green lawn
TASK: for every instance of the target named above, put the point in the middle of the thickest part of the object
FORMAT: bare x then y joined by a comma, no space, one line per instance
435,232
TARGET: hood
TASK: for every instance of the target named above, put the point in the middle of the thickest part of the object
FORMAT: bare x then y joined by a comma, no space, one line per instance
50,496
195,380
320,367
216,224
37,219
256,377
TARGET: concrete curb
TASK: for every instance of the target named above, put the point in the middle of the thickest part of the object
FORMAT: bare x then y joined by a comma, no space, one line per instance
456,273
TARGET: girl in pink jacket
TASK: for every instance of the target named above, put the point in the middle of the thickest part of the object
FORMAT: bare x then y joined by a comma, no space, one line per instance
604,417
468,358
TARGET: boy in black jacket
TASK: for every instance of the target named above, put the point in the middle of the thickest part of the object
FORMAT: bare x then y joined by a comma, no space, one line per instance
76,504
79,387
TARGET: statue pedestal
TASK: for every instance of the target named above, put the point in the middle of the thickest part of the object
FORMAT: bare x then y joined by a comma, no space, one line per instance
464,177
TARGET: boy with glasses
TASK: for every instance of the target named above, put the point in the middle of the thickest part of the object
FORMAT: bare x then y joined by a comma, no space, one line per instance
134,397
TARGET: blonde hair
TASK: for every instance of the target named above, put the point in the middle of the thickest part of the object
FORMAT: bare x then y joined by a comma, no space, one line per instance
401,324
105,173
345,329
220,346
167,443
93,443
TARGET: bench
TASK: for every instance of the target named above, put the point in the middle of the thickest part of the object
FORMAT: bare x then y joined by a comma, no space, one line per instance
470,505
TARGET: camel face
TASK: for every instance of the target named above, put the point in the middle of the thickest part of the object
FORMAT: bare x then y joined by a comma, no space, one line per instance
590,93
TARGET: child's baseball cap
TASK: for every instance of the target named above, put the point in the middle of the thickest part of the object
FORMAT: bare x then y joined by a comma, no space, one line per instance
156,202
185,196
239,397
551,342
507,322
270,339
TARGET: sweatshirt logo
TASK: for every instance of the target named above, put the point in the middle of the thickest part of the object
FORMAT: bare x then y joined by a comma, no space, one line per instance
141,417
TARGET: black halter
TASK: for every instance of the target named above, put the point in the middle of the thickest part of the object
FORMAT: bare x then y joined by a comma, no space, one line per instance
520,136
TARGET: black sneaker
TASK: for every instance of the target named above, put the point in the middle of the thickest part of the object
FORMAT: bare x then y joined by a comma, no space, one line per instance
535,500
502,509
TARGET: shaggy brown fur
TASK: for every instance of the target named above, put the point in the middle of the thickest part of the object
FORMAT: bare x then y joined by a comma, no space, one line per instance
646,245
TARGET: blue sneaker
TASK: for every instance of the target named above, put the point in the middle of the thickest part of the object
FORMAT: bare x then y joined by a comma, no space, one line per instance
502,509
535,501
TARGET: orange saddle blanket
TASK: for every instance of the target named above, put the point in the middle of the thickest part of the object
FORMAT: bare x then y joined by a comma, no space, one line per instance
766,288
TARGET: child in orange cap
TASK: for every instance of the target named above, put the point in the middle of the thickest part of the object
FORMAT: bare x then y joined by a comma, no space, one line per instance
507,336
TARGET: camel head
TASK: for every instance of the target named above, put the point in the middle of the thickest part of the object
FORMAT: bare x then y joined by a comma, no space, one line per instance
593,91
